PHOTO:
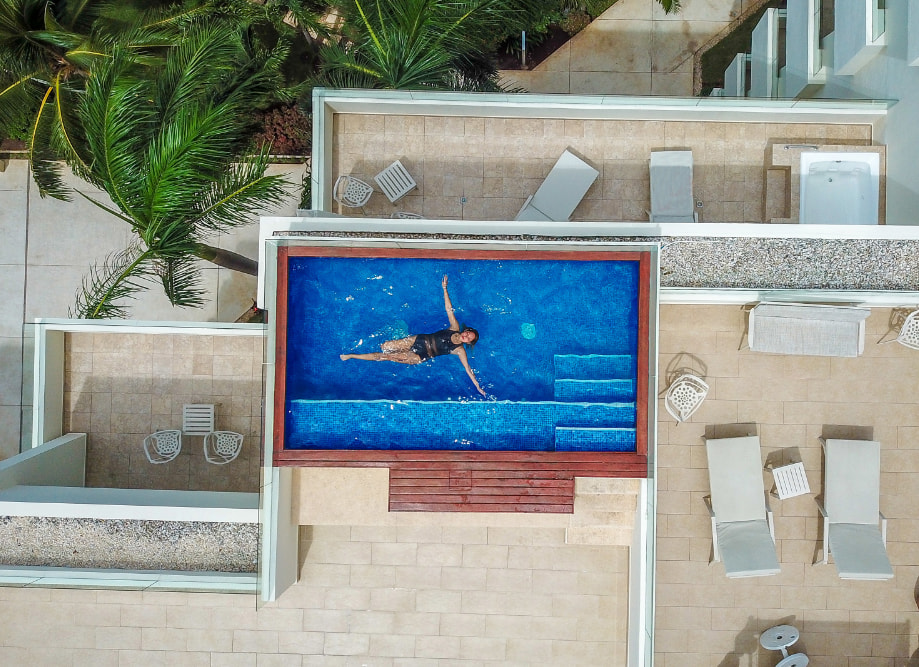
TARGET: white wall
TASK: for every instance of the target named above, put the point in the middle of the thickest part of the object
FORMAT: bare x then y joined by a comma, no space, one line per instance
61,462
129,504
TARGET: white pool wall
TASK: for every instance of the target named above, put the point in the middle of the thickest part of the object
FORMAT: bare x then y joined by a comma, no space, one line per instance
839,188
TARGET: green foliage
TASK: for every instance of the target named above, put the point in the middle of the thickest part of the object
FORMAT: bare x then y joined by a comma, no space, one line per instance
575,22
417,44
284,131
169,148
670,6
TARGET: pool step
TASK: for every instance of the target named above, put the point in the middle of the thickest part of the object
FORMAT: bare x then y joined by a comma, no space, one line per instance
455,425
602,391
594,366
578,439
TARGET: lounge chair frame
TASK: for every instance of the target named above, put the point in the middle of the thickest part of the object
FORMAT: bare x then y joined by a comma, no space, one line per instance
739,508
853,509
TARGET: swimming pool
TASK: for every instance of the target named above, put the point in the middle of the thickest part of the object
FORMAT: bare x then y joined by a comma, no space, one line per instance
559,352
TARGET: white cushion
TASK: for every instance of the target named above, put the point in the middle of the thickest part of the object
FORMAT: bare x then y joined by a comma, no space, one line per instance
735,471
853,481
859,552
747,548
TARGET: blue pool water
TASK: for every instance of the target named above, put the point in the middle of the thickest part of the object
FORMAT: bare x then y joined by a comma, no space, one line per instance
556,354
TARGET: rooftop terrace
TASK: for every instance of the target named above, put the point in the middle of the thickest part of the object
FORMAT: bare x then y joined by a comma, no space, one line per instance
704,618
483,168
119,388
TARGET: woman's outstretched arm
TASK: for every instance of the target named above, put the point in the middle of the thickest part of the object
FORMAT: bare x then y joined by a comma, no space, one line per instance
454,325
461,353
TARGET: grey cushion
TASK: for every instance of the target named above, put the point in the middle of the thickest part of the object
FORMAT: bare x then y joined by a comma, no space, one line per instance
735,471
859,552
747,548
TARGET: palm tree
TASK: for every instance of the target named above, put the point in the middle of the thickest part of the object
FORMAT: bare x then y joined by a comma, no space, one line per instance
169,147
413,44
48,49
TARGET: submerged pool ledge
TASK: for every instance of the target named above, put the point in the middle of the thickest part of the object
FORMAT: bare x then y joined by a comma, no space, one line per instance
544,426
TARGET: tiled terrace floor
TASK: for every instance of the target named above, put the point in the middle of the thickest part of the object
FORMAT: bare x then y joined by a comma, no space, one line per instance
484,168
705,619
380,596
119,388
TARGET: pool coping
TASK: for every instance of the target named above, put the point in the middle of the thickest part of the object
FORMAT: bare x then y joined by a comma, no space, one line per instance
615,464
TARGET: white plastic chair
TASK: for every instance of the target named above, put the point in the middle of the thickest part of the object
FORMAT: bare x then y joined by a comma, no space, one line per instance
909,332
221,447
684,396
854,530
395,181
743,533
352,192
163,446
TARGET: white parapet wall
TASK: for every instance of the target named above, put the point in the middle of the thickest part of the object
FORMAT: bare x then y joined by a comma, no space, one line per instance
68,502
61,462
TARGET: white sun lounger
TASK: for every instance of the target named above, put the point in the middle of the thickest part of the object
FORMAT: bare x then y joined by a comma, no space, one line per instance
854,530
561,192
671,187
743,534
808,329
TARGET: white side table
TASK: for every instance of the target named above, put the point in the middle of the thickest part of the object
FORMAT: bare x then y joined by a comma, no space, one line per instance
790,481
779,638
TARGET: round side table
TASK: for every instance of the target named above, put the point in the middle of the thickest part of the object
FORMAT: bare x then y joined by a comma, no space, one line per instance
779,638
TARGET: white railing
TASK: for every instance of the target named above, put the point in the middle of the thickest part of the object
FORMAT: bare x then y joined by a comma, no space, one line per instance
735,76
764,54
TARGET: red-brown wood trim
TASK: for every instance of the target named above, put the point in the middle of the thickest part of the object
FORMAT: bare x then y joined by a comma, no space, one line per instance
419,457
641,385
621,463
480,507
443,253
280,353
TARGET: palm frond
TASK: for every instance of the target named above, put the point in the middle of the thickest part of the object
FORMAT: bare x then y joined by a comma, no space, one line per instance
671,6
46,169
108,285
118,121
241,194
20,97
181,280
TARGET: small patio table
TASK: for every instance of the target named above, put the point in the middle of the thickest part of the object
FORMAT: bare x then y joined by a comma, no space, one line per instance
790,481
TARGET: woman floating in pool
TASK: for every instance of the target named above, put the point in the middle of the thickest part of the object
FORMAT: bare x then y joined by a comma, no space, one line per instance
421,347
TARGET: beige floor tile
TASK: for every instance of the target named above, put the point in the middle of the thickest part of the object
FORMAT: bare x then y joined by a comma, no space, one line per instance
810,596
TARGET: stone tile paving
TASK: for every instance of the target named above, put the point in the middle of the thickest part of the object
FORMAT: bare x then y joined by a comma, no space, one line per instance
119,388
705,619
633,48
380,596
476,168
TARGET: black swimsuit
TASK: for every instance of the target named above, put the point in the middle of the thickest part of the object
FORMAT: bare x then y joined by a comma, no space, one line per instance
427,346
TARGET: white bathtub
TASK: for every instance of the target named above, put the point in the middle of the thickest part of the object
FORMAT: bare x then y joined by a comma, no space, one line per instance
839,188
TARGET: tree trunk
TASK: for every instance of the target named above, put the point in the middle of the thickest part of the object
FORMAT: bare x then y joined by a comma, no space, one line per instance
227,259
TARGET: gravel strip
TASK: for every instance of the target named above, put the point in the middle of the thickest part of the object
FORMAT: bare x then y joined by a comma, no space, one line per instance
131,545
750,263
